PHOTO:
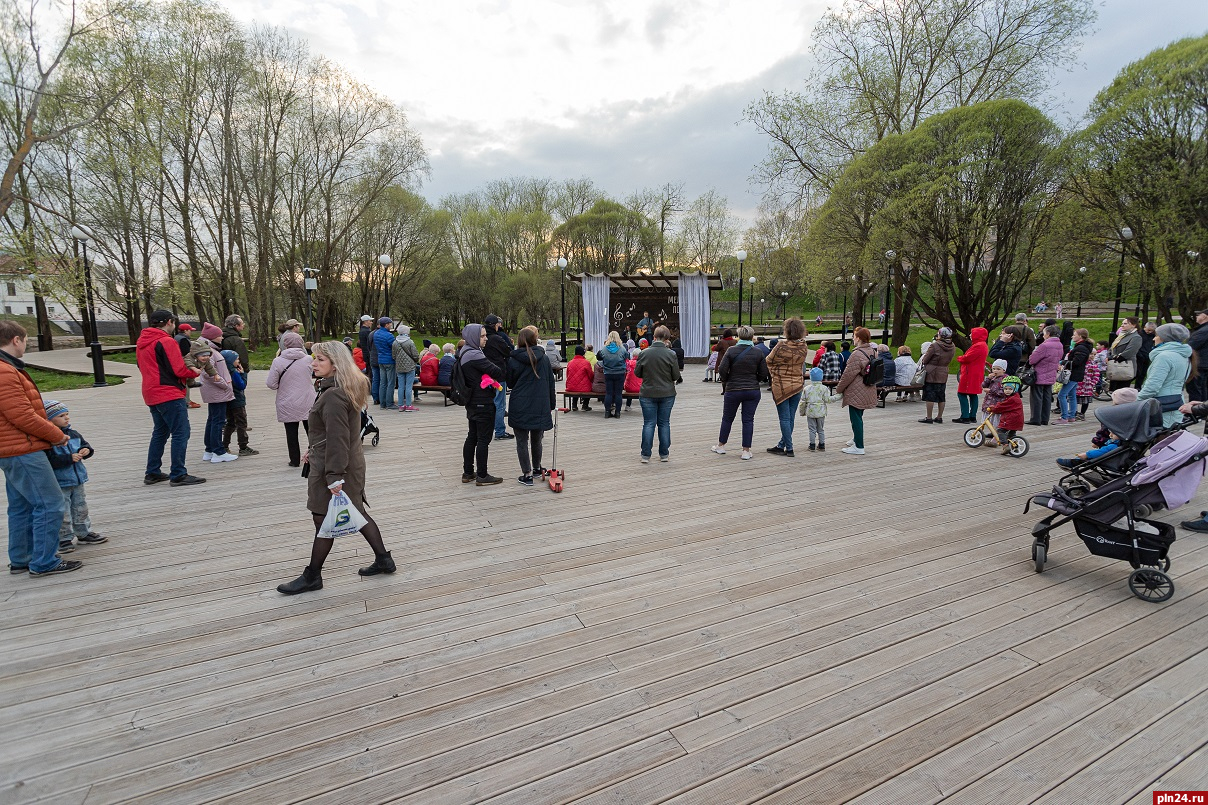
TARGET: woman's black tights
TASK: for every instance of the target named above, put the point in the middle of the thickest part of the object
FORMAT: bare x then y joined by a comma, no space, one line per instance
322,547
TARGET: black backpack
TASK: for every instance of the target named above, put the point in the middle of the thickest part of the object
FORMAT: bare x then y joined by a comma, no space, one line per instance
874,372
459,389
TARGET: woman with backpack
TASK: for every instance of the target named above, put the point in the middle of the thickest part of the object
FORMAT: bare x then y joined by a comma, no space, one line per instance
530,377
858,393
472,367
741,369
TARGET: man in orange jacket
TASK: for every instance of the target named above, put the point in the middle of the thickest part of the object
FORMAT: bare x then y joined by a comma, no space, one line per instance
35,502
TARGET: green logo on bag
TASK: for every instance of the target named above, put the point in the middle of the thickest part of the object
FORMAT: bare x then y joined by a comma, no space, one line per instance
342,518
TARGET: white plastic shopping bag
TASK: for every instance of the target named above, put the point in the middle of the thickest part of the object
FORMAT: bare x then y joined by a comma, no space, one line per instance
342,518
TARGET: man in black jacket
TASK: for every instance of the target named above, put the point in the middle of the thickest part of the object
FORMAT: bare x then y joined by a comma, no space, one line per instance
499,347
1147,334
369,354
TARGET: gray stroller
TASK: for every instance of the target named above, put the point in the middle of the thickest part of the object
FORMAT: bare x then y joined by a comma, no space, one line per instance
1107,521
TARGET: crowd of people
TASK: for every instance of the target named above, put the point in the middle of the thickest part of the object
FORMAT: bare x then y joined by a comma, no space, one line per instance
325,389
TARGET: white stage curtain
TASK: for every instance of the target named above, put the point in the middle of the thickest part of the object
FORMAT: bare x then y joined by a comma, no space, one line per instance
595,309
694,314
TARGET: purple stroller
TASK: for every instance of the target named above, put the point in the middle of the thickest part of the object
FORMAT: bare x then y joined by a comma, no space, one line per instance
1106,518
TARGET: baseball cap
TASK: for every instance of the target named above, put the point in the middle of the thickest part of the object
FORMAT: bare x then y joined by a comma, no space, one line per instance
366,317
1202,312
384,320
492,320
161,317
292,323
187,328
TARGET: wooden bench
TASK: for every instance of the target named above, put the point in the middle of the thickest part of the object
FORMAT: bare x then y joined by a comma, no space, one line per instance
882,391
588,396
444,391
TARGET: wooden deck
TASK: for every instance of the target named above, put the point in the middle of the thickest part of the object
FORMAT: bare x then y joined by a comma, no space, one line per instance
818,629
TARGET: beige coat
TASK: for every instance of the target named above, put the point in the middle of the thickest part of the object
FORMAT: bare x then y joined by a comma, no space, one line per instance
785,364
851,382
937,359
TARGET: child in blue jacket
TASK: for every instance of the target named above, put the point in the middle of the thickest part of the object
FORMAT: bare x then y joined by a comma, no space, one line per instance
68,464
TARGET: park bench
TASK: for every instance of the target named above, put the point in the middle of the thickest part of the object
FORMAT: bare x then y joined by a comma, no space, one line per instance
882,391
444,391
588,396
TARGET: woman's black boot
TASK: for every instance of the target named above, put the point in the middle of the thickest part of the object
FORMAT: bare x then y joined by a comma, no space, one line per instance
309,580
381,564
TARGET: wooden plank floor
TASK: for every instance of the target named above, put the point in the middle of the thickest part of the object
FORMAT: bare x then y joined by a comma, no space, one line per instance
818,629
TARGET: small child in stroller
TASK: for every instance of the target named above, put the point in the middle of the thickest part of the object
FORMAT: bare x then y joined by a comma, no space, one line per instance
1112,443
1123,396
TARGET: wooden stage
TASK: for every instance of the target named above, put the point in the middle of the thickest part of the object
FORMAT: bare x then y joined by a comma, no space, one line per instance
819,629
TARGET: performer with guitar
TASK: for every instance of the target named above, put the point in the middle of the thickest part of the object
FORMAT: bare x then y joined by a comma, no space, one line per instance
646,326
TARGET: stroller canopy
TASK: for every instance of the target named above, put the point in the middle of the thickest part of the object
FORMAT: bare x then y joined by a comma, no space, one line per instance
1137,421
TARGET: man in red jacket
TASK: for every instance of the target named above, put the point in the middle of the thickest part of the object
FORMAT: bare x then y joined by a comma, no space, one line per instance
579,377
35,502
165,379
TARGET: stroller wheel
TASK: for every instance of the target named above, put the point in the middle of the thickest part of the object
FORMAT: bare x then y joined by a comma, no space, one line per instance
1019,447
374,440
974,437
1143,510
1150,584
1039,554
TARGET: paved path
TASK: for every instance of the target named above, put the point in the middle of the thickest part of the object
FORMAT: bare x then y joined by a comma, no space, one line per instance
816,629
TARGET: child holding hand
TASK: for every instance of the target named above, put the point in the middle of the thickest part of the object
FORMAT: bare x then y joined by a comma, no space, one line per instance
67,461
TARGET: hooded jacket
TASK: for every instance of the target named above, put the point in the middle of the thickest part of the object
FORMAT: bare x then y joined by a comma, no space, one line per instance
163,370
429,369
383,345
24,427
290,377
851,383
973,362
475,364
613,358
533,396
1009,351
404,354
1169,367
232,340
212,390
70,473
578,375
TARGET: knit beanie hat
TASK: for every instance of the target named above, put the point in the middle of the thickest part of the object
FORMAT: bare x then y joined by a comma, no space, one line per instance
580,351
1124,396
999,364
816,374
54,408
1172,332
211,332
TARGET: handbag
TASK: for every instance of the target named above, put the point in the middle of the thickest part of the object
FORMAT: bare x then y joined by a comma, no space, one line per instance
920,375
1063,375
1170,402
1027,376
1121,371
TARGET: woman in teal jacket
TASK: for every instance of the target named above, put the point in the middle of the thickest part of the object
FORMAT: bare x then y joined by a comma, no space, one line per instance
1169,368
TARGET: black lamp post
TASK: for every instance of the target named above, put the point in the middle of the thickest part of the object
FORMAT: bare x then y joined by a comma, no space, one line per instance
1081,285
890,255
83,235
742,258
784,304
761,301
751,305
310,284
843,312
1125,236
562,285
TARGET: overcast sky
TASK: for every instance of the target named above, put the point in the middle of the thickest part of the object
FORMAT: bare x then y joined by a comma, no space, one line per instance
629,94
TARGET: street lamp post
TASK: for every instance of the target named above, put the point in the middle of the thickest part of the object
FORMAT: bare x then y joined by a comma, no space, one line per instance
742,258
890,255
311,285
761,301
784,304
751,304
562,285
83,235
1125,236
1081,285
1140,292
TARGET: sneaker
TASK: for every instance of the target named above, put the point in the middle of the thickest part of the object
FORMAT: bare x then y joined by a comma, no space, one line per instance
411,408
194,405
721,451
66,547
487,480
61,567
1079,417
645,459
186,480
788,454
850,443
664,459
777,450
207,456
15,569
525,480
91,538
854,451
505,435
1068,463
746,455
1195,525
154,478
467,477
247,451
225,457
812,448
821,446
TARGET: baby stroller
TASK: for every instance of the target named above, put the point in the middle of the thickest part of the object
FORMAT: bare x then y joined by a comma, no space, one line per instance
1138,426
368,426
1106,518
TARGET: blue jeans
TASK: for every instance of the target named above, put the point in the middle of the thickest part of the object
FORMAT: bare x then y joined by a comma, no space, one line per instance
614,389
215,422
375,377
386,380
171,419
35,510
787,411
1067,400
75,514
749,400
406,380
656,411
501,405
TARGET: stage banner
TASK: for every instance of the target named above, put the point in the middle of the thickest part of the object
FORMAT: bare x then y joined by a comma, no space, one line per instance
693,314
595,309
637,311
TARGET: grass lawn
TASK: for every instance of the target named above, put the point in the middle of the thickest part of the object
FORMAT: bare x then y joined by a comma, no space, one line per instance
59,381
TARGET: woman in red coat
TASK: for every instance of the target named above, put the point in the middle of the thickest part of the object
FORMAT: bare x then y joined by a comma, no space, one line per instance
578,378
429,366
973,372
